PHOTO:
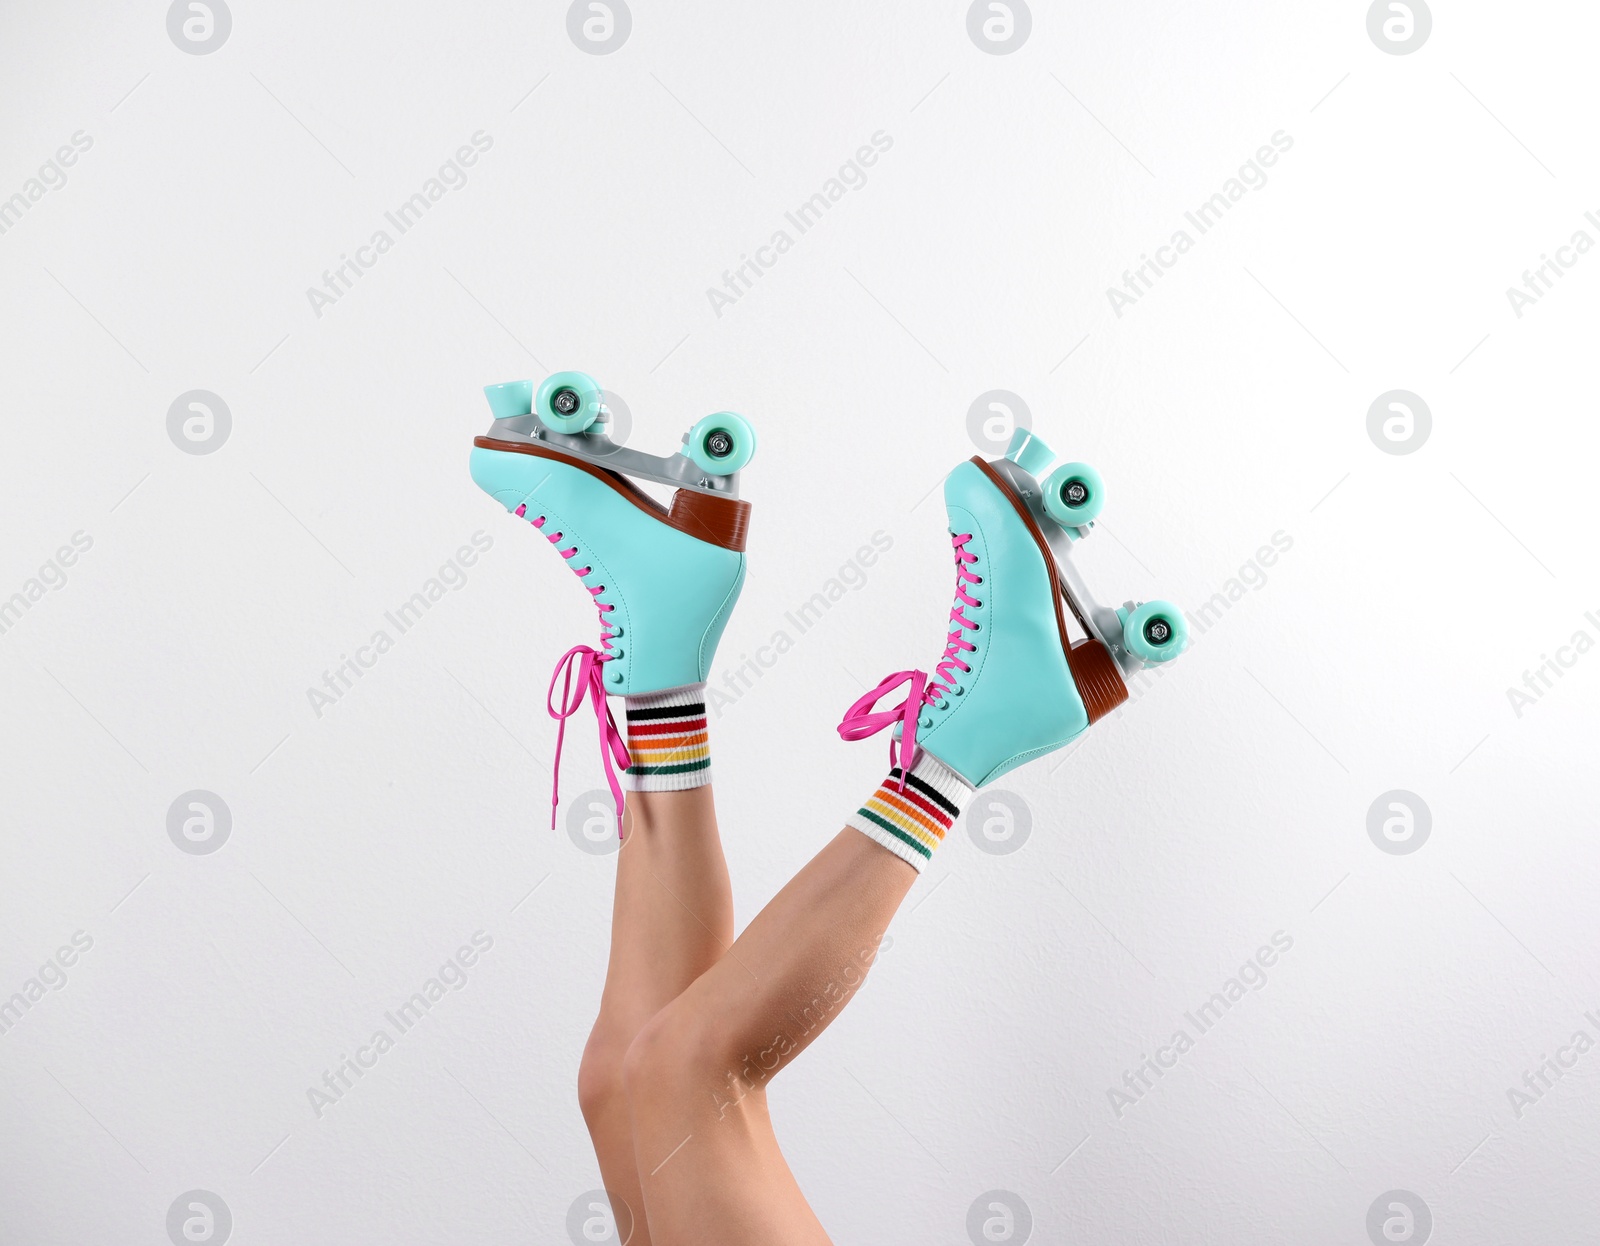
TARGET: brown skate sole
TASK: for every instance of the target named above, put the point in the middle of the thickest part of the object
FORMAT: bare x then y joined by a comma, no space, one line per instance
705,516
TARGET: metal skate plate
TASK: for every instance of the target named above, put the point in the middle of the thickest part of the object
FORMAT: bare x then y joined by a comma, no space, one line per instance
676,470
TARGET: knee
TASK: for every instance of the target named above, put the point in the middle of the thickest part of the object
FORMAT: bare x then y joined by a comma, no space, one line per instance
600,1086
670,1052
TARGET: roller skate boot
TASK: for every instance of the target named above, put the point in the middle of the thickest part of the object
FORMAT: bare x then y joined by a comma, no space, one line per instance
663,578
1014,683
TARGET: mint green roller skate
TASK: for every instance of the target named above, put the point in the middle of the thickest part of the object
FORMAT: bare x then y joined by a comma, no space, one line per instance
1013,683
664,578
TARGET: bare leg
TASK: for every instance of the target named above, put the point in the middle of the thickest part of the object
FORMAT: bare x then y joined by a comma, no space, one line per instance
706,1155
671,920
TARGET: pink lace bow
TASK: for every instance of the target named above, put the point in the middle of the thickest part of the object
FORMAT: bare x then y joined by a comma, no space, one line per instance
864,718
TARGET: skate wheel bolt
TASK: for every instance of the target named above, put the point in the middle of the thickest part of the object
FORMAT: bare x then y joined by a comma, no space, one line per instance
1073,495
1154,631
568,402
721,443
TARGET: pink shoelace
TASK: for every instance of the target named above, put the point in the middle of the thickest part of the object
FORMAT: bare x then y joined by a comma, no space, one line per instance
864,718
591,680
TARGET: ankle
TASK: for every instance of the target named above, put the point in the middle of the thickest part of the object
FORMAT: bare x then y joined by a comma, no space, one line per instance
910,815
667,741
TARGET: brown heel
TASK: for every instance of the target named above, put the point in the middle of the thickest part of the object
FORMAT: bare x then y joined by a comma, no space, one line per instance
1099,681
720,520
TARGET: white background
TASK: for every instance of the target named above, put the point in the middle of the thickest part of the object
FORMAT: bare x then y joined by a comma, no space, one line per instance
1229,801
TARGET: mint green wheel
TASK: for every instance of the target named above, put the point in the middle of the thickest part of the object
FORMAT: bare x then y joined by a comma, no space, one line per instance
568,402
1156,631
1074,495
722,443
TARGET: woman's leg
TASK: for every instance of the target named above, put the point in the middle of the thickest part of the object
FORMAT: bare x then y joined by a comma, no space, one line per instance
671,920
704,1148
1012,685
663,580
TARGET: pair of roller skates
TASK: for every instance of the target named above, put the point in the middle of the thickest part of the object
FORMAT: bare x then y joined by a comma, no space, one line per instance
1013,684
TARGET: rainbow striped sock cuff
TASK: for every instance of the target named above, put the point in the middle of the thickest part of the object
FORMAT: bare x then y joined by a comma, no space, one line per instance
913,822
667,741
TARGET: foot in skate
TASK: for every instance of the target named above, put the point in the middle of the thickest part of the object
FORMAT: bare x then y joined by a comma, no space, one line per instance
1013,683
664,579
